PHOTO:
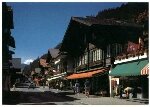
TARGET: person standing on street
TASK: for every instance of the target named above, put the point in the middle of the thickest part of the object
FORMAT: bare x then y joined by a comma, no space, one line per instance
49,86
121,90
87,88
57,86
61,85
72,87
77,88
14,87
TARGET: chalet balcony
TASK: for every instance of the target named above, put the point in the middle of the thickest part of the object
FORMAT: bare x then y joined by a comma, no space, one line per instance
131,56
81,67
96,63
91,64
62,55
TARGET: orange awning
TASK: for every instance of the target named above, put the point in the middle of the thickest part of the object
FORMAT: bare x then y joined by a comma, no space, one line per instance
145,70
86,74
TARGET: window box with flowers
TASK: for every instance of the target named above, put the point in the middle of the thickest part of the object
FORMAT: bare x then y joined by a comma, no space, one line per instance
98,62
118,58
130,55
123,56
141,52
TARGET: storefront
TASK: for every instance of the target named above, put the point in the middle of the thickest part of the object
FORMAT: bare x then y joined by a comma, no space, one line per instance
98,79
145,79
129,74
57,79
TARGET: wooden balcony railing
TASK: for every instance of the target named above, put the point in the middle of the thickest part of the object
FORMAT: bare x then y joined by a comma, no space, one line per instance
129,55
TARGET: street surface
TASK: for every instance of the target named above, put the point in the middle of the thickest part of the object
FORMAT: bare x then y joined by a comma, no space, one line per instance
44,96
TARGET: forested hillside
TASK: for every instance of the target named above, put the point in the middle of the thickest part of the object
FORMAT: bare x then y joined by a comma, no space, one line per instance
131,12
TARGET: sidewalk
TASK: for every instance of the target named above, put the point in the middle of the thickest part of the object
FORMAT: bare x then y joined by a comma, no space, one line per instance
63,98
98,100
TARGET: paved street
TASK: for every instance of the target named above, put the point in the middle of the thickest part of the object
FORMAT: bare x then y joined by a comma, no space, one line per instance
44,96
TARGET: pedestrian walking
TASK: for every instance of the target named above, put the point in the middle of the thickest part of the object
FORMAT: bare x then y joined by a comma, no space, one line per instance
77,88
32,85
72,87
120,90
61,85
57,86
134,92
43,85
87,88
14,87
49,86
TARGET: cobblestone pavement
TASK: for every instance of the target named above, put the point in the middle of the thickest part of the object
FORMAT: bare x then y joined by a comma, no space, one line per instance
97,100
44,96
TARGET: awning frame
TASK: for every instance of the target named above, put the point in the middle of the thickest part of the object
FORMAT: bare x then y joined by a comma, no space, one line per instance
88,74
132,68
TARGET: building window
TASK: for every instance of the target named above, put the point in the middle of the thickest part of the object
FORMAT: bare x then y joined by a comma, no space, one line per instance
79,61
114,49
98,54
83,62
101,54
91,56
95,55
108,51
86,58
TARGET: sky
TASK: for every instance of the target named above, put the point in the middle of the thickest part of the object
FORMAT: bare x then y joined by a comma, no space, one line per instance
39,26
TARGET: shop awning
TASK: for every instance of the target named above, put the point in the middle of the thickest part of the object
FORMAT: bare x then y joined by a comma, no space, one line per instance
129,69
145,70
86,74
58,76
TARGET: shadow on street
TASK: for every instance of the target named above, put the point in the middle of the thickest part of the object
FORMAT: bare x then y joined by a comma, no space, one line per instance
38,97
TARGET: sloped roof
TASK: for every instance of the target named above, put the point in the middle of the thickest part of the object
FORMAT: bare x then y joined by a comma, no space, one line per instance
91,46
93,20
58,46
43,62
54,52
44,56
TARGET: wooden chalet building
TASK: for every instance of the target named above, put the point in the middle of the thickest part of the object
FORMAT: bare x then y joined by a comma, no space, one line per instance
131,66
7,42
61,64
93,44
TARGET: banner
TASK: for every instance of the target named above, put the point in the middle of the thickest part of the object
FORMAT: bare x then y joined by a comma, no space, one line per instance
132,47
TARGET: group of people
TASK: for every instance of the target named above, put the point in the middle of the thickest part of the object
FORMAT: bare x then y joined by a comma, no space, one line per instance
124,92
76,88
59,86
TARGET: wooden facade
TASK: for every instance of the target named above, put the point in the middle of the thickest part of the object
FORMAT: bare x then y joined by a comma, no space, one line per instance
7,40
96,43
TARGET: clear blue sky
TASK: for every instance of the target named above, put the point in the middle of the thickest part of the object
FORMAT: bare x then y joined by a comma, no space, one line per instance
40,26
